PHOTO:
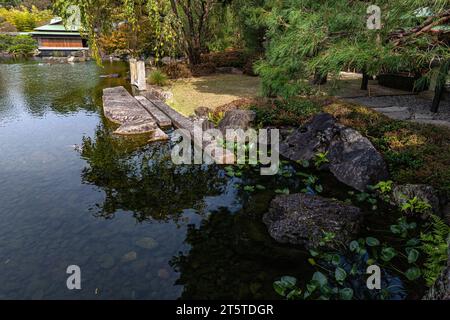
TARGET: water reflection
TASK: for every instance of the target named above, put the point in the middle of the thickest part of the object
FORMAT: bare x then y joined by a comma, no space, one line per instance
232,257
143,179
57,205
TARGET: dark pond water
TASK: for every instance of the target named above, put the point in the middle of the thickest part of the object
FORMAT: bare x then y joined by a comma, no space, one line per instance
139,227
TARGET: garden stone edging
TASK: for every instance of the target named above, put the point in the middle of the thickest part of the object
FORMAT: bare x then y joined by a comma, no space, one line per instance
301,219
352,158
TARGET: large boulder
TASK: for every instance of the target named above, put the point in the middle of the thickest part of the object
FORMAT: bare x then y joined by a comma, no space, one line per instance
303,219
352,158
237,119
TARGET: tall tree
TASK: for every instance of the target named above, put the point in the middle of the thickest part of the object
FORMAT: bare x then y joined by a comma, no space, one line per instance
328,36
182,23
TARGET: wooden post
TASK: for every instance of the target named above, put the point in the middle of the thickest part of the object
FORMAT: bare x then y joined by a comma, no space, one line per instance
319,79
440,84
365,81
137,74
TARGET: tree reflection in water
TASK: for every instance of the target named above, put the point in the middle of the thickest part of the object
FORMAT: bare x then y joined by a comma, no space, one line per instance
141,178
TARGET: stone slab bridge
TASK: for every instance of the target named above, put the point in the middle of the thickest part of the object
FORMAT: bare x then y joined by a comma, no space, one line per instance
146,114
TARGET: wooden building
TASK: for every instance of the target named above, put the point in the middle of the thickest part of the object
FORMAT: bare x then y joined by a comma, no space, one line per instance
54,39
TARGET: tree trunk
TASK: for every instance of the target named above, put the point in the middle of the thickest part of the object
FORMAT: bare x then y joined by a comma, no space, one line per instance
438,92
194,55
365,81
440,84
319,79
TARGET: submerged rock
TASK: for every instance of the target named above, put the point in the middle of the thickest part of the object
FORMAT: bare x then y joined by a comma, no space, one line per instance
237,119
137,127
130,256
303,219
147,243
106,261
352,158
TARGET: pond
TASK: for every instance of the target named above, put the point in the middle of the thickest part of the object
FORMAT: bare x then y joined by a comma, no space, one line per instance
138,226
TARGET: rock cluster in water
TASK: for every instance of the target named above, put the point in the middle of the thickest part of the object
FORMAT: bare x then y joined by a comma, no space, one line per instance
352,158
303,219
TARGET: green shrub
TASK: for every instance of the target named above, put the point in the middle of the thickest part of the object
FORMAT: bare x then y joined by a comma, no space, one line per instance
291,111
25,19
158,78
22,46
177,71
5,42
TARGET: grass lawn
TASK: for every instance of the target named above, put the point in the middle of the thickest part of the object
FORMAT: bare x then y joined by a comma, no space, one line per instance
211,91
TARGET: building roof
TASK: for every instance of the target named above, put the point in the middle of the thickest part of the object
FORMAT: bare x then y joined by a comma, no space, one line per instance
57,28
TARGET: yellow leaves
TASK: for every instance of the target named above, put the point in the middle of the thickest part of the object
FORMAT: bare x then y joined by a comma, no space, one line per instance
24,19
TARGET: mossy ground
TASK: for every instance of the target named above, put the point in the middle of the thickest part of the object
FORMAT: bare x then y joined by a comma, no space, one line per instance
211,91
415,153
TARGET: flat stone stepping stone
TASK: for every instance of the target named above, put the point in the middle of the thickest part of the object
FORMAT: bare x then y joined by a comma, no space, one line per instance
120,107
184,123
397,113
158,135
137,127
160,117
441,123
147,243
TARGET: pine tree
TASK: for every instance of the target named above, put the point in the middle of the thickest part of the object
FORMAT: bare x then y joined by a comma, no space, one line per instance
307,37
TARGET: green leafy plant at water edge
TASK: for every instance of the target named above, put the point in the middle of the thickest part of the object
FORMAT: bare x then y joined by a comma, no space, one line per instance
384,187
18,46
416,205
321,159
342,270
216,117
158,78
435,247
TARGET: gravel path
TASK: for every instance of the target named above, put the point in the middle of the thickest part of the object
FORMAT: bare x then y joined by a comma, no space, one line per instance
408,107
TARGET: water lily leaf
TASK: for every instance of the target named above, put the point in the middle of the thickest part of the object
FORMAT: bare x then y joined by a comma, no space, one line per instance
279,288
372,242
413,273
346,294
354,246
313,253
413,255
289,281
387,254
320,278
340,274
413,242
335,259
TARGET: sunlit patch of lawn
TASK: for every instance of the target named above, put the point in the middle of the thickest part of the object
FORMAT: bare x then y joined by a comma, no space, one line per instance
211,91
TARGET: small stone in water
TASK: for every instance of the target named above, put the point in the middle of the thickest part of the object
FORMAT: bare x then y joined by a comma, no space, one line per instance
163,274
106,261
130,256
147,243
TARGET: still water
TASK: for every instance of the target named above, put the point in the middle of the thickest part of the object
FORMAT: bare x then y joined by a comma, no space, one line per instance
139,227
